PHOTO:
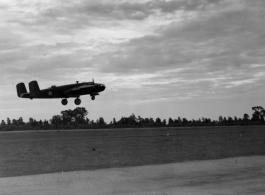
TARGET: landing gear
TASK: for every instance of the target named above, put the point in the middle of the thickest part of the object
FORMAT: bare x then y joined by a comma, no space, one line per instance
64,102
77,101
92,97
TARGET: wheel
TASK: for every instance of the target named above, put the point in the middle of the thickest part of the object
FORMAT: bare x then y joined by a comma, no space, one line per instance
77,101
93,97
64,102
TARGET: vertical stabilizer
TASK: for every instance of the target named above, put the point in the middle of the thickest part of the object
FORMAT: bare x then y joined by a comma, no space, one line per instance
34,89
21,89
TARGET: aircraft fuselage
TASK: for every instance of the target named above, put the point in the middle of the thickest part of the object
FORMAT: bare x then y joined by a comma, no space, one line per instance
63,91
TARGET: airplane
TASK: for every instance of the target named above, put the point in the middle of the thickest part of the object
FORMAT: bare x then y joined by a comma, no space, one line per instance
64,91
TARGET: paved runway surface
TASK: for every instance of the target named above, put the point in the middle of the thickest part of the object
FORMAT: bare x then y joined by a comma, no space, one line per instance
241,175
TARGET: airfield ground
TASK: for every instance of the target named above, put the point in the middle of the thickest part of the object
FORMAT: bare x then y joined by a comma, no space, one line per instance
37,152
231,176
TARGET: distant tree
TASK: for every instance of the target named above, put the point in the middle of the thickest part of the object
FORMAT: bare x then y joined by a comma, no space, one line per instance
179,119
8,121
14,122
257,115
101,121
207,120
140,121
184,121
176,121
230,120
122,121
3,123
214,122
132,120
87,120
35,123
158,120
114,121
245,117
146,121
20,121
31,120
45,122
56,120
235,118
220,119
164,122
151,122
74,116
66,116
170,122
263,113
79,114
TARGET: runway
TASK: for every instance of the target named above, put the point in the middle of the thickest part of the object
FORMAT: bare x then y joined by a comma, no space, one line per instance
241,175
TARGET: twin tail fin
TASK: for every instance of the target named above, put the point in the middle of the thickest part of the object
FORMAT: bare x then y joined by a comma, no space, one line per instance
21,89
34,90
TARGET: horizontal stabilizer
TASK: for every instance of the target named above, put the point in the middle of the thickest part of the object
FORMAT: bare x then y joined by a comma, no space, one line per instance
34,89
21,89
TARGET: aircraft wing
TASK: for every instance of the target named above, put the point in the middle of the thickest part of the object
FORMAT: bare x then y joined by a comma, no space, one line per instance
78,88
25,95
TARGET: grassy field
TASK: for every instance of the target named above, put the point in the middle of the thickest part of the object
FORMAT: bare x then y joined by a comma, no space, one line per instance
35,152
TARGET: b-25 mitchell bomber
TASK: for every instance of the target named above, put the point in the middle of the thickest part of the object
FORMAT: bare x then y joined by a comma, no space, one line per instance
64,91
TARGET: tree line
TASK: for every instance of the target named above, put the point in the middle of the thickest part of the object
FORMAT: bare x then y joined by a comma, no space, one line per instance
77,119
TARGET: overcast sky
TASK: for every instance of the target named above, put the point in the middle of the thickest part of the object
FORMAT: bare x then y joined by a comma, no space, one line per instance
158,58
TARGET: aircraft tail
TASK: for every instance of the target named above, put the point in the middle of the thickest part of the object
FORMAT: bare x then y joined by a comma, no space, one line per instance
34,89
21,89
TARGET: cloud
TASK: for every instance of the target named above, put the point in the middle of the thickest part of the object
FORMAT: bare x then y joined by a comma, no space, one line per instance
215,52
219,40
172,6
63,17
